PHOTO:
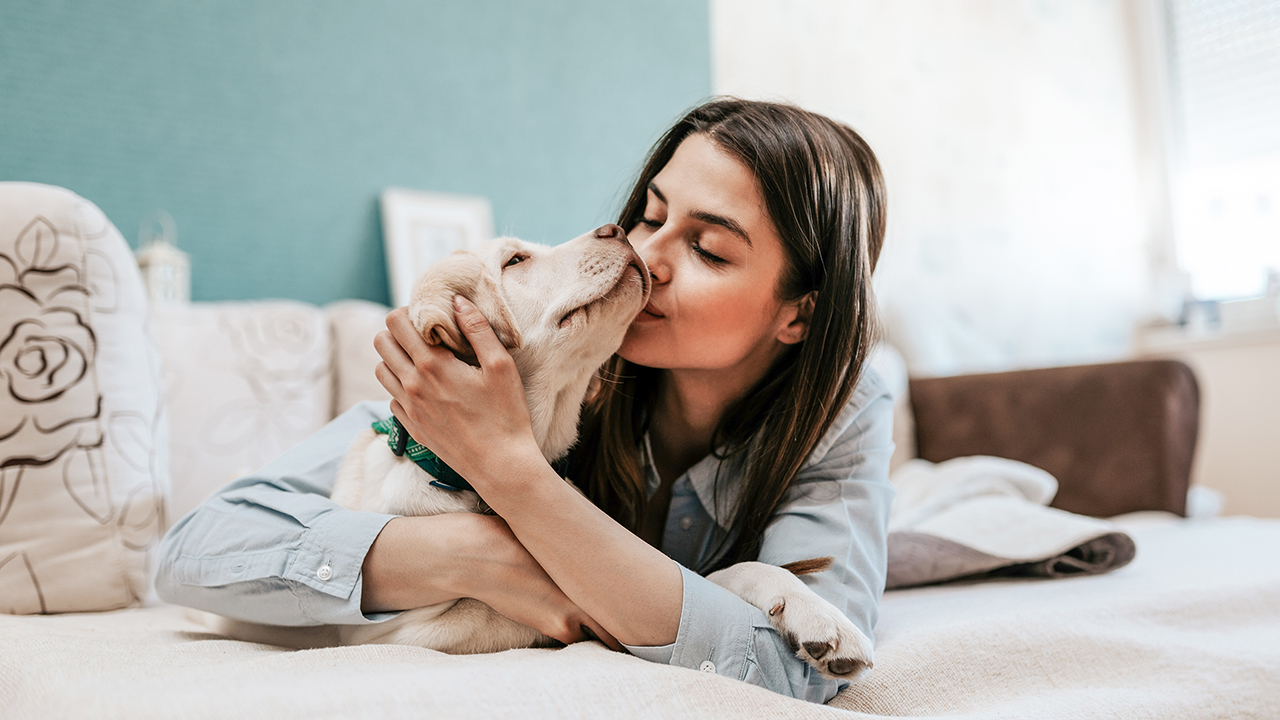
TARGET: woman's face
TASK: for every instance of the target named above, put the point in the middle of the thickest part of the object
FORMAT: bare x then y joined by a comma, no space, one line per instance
716,261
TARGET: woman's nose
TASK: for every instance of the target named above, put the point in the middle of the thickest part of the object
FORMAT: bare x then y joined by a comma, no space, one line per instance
651,252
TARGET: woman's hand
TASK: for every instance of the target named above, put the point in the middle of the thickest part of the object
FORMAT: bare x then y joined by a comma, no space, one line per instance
420,561
475,418
516,586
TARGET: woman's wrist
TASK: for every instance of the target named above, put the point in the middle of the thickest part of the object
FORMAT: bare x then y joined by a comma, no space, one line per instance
509,468
475,552
410,563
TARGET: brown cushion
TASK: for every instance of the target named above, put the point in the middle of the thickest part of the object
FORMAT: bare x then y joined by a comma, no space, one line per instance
1119,437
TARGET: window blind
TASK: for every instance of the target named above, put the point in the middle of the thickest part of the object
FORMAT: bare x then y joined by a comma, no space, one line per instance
1224,60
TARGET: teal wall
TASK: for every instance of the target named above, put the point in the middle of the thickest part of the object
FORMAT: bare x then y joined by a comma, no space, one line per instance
267,128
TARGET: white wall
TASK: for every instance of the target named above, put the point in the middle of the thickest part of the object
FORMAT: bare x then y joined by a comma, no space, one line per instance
1238,453
1009,135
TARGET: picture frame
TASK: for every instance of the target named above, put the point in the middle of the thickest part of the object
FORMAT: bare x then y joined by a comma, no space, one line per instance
420,228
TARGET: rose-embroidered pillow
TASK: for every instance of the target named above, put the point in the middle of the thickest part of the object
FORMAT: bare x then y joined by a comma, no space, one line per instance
83,474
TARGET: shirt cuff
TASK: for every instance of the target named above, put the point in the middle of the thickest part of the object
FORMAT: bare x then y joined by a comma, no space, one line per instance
716,629
330,560
660,654
723,634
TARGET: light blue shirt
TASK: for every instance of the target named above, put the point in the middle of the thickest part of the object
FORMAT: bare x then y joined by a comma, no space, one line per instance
273,548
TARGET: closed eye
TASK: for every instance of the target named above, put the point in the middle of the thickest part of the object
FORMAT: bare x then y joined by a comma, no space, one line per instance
706,256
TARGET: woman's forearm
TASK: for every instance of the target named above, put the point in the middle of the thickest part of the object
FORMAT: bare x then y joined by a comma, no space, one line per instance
625,584
422,561
477,420
407,567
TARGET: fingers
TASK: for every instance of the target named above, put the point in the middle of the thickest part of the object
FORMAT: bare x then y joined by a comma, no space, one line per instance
394,366
569,624
564,633
578,627
391,348
397,410
402,329
404,355
595,631
401,347
479,333
506,577
389,380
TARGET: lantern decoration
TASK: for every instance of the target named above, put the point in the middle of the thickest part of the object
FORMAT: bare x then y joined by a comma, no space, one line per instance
166,270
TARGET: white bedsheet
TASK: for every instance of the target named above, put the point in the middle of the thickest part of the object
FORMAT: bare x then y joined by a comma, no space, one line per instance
1190,629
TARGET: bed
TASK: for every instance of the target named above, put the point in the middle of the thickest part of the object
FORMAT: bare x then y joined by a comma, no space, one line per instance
1189,628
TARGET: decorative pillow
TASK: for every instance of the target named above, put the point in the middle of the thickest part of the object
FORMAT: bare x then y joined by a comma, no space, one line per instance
83,475
892,367
245,381
354,323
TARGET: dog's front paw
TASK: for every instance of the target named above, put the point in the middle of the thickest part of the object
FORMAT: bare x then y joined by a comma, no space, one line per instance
821,636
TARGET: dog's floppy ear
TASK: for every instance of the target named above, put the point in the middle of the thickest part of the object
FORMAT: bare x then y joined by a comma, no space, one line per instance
431,304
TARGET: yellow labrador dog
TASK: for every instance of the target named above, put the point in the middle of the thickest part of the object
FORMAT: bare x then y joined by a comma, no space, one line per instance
561,312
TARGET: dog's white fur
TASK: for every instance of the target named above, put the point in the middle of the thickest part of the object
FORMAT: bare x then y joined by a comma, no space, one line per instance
561,312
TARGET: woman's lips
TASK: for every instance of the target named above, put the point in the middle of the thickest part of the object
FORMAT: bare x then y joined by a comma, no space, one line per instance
649,313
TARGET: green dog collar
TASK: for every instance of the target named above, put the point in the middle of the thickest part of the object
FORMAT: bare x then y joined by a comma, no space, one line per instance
401,444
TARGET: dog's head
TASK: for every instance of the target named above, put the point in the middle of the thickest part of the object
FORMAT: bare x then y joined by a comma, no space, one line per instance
561,311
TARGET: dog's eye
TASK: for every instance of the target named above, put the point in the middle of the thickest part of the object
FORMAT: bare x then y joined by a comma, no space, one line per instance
515,259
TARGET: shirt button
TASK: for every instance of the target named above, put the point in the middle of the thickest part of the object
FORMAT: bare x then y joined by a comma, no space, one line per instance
707,666
325,572
686,523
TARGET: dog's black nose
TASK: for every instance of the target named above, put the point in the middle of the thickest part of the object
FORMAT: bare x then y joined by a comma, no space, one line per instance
610,232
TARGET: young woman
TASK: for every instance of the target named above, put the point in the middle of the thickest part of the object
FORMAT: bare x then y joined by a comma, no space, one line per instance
736,423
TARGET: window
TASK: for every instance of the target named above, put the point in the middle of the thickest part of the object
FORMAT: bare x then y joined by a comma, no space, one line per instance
1225,67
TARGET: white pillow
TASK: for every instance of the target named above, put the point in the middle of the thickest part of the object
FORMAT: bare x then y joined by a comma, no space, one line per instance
83,475
893,369
246,381
354,323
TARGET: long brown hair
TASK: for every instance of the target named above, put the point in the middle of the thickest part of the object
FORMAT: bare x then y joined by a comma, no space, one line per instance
824,192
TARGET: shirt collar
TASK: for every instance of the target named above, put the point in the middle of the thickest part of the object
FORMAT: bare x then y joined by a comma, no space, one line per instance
702,478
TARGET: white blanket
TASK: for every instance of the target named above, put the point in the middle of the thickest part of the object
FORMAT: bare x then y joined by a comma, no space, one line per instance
1190,629
984,516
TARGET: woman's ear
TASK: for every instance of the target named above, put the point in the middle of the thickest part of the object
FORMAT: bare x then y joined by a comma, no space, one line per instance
796,316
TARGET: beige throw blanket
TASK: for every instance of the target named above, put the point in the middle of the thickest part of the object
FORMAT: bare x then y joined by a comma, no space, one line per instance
980,517
1190,630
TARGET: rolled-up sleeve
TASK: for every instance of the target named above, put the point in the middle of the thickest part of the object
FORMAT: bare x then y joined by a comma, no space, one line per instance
272,547
721,633
838,507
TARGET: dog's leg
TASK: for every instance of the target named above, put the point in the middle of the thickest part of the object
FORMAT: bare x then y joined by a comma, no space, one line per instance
819,633
298,638
478,628
411,627
463,627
